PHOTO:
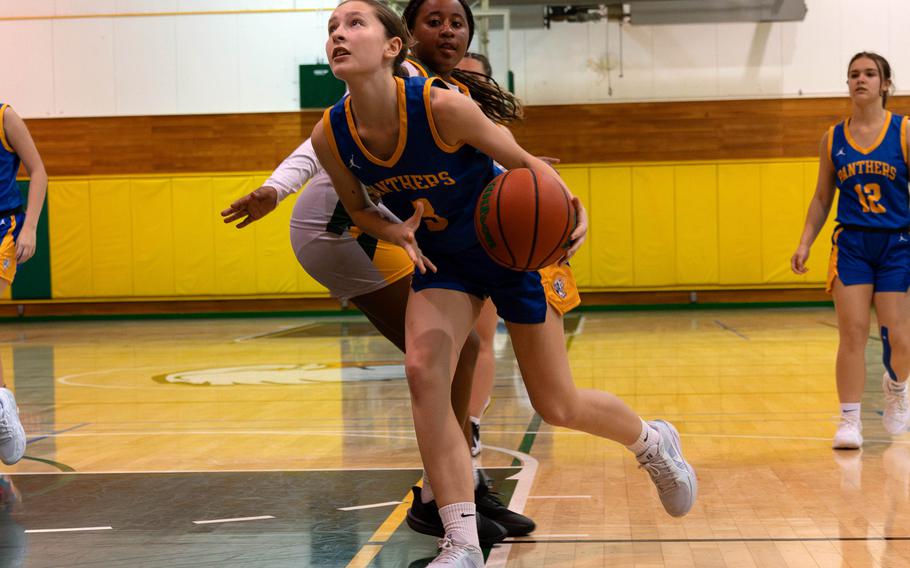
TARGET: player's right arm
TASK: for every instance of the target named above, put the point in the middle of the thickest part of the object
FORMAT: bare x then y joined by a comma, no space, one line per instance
819,207
363,212
288,178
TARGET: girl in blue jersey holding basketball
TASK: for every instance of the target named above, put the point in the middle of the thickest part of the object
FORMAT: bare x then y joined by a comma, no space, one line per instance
389,128
865,157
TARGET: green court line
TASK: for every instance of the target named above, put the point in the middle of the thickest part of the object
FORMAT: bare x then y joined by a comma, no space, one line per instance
61,466
352,312
192,316
704,306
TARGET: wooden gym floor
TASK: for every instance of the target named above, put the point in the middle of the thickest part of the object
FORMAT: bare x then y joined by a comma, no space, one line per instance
288,442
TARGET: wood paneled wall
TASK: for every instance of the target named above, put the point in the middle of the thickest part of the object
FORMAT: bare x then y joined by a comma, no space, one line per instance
639,132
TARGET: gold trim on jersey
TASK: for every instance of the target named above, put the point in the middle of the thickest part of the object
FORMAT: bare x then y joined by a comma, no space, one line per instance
8,252
461,87
330,135
426,102
402,128
419,66
832,262
875,144
831,145
6,145
904,139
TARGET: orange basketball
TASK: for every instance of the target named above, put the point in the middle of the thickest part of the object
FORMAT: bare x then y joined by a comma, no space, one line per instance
523,219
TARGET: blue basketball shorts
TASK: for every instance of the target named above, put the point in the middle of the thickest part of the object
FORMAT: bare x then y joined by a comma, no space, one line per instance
866,257
519,296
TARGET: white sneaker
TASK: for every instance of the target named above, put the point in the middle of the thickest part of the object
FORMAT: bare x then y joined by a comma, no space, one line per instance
897,408
675,479
12,435
849,435
457,555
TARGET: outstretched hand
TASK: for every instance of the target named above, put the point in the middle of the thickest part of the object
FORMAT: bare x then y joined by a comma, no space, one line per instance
252,206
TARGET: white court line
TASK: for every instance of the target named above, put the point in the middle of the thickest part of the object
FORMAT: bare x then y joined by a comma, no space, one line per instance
373,506
234,520
380,434
274,331
416,468
559,496
499,556
545,536
76,529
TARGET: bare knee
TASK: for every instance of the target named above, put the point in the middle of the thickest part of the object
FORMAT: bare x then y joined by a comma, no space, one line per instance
426,380
556,412
854,337
899,340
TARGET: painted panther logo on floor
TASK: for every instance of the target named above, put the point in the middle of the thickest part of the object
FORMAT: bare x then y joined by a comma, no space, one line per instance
287,374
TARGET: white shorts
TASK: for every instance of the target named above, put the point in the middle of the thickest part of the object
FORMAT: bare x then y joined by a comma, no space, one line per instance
346,261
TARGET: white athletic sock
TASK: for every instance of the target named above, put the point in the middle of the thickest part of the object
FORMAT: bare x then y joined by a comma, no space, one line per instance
648,437
460,522
897,386
426,494
847,408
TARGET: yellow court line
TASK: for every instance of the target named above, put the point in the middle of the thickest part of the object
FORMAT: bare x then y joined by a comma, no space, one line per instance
163,14
368,551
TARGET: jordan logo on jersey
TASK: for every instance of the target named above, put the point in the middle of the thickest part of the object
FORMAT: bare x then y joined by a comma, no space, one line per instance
352,165
840,153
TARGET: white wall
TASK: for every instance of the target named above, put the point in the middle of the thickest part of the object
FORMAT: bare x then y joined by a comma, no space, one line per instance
183,63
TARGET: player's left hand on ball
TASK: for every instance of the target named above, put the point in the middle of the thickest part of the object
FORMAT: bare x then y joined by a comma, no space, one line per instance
581,228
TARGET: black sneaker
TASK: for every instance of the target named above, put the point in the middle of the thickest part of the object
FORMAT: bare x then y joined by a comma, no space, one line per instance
476,446
491,507
424,518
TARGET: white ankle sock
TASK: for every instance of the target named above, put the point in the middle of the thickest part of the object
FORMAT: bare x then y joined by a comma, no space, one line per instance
460,522
850,409
426,494
648,437
896,386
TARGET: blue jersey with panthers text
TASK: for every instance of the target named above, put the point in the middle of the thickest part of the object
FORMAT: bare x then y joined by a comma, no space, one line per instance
872,181
10,197
447,179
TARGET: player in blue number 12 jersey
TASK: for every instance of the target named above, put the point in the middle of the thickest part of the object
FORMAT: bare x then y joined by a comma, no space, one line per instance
865,158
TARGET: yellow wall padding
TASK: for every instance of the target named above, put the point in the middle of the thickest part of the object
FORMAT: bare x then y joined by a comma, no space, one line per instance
70,233
578,181
653,226
696,240
692,225
162,236
697,225
611,209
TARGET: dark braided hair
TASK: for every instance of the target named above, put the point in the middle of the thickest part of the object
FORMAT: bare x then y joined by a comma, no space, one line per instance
498,105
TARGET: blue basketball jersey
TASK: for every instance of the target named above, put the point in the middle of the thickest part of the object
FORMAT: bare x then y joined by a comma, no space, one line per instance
447,179
10,198
872,181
